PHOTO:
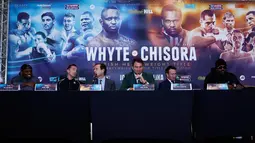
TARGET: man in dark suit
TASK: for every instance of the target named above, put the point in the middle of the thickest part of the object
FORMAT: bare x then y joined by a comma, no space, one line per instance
137,76
170,78
100,71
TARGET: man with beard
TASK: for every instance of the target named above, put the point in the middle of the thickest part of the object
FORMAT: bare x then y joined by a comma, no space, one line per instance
25,78
74,48
110,36
237,55
207,38
69,83
22,37
219,74
48,21
172,34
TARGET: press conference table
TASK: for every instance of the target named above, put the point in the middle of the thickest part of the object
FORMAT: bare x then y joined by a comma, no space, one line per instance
154,115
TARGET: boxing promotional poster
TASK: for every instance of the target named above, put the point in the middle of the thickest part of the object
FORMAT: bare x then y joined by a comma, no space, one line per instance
190,36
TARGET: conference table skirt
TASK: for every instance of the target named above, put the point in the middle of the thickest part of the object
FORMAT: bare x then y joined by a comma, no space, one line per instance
176,115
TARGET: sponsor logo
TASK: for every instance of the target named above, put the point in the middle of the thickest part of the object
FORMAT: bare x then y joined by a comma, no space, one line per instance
92,6
241,5
72,6
82,78
47,6
215,6
201,78
253,76
155,76
190,6
53,79
242,77
135,11
158,76
147,11
40,78
186,78
21,5
122,76
144,11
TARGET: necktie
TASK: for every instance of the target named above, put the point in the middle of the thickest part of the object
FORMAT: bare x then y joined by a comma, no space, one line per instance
100,82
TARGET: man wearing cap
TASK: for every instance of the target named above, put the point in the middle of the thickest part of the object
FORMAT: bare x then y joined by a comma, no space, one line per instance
25,78
219,74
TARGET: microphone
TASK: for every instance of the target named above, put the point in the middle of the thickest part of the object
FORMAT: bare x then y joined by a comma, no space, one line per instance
178,77
94,79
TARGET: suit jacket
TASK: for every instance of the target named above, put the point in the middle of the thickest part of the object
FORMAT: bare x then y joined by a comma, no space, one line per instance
166,85
129,80
108,86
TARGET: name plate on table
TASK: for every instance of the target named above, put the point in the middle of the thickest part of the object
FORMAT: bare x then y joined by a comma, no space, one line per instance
144,87
9,87
217,86
181,86
90,87
45,87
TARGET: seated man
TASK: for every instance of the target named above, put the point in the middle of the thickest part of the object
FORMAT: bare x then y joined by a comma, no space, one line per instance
220,75
170,78
137,76
69,83
25,78
100,71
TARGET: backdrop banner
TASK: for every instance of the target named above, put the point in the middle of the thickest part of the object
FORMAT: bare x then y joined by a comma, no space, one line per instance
50,35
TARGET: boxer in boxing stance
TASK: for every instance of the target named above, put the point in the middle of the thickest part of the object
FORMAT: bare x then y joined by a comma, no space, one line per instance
207,38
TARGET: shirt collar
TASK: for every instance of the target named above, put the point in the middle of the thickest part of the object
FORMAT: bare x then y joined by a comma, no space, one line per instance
103,79
169,80
226,30
22,79
51,31
72,31
165,33
141,74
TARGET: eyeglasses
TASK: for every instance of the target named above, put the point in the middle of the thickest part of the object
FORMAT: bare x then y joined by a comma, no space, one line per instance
221,67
